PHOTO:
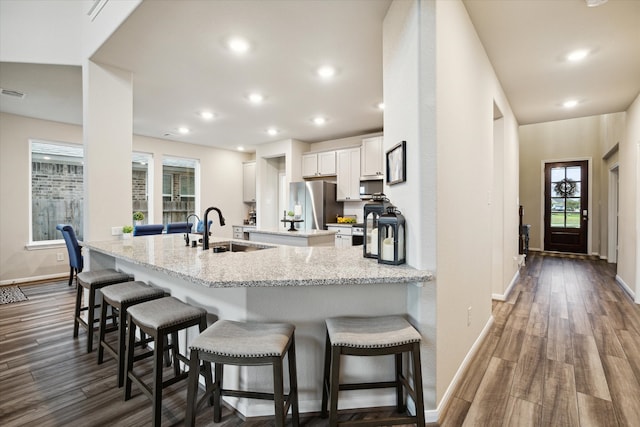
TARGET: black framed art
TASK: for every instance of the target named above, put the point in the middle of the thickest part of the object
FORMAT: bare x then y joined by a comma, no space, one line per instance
397,164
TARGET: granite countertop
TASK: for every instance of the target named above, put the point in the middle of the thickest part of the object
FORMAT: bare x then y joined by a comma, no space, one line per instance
277,266
298,233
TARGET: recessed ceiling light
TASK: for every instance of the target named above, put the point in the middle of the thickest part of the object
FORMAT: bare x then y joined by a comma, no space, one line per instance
319,120
183,130
256,98
207,115
272,131
577,55
595,3
380,106
326,71
238,45
570,104
240,148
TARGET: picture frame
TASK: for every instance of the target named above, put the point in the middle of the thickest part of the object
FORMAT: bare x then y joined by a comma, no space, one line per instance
397,163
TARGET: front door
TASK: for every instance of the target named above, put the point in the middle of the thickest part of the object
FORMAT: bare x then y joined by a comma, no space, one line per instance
566,204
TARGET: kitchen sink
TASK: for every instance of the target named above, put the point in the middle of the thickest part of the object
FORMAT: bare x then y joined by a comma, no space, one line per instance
237,247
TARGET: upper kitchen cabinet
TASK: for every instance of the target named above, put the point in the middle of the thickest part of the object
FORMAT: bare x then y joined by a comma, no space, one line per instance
348,174
249,182
319,164
372,160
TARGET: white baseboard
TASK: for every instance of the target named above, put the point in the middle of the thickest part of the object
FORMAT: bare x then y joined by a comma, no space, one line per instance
433,416
625,287
33,279
503,297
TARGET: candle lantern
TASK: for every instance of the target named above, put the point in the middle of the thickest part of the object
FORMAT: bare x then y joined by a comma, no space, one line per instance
391,237
372,212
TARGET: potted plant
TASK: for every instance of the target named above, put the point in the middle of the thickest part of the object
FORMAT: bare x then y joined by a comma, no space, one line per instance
138,217
126,231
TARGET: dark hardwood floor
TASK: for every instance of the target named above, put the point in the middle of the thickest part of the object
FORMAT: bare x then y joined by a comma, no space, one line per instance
564,350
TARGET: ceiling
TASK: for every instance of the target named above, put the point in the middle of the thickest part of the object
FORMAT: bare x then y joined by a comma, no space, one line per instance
181,66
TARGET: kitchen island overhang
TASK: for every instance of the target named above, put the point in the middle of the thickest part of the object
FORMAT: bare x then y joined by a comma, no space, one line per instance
299,285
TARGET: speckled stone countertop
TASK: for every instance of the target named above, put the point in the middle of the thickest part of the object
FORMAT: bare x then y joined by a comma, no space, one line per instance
276,266
298,233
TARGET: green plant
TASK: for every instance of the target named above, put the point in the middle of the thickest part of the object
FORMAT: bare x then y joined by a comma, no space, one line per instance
127,229
290,213
138,216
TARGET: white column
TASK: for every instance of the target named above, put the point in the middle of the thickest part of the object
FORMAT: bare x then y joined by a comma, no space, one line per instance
107,136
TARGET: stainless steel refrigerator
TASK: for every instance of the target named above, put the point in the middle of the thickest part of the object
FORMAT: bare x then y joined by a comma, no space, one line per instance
317,202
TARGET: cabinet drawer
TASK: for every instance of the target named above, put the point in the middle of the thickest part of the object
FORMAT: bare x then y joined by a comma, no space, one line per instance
238,234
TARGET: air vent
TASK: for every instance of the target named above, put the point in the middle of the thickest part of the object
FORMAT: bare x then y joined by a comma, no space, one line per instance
14,93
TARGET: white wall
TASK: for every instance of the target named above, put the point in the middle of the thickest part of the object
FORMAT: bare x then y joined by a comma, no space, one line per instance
221,173
629,215
439,89
573,139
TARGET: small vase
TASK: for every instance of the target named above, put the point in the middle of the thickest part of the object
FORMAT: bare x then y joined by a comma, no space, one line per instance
126,236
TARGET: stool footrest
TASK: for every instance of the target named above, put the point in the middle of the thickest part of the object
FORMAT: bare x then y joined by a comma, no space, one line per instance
366,386
250,394
173,380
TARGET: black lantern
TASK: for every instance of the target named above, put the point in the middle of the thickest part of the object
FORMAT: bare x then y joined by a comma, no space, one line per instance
372,212
391,237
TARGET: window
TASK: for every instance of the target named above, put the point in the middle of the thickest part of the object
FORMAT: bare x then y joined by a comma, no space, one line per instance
179,188
56,189
142,195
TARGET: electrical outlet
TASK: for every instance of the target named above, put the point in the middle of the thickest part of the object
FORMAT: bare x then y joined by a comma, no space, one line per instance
469,316
60,256
116,231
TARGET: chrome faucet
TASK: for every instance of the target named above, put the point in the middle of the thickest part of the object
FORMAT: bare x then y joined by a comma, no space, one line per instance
205,235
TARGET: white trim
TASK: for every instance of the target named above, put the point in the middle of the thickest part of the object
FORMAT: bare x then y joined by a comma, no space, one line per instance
589,161
433,416
612,214
503,297
45,244
34,279
625,287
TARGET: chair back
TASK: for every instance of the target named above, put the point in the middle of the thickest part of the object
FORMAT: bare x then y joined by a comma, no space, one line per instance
179,227
147,229
200,227
73,247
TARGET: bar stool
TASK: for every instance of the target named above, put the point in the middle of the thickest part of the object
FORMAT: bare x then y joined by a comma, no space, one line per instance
121,297
159,318
372,336
247,344
92,281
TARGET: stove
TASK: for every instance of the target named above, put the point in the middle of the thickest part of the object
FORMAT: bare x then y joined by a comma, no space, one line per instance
357,234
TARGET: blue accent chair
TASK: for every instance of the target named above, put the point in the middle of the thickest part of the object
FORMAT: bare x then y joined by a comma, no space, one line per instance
76,263
179,227
148,229
200,227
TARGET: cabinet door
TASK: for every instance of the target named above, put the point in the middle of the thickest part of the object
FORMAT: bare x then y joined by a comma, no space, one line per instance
348,174
372,159
309,164
249,181
327,163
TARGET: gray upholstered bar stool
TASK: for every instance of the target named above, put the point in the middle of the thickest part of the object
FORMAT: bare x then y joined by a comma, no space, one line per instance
373,336
93,281
120,297
159,318
246,344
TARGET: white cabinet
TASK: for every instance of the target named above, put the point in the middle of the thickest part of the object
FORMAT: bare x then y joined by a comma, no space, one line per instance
372,161
343,236
249,182
348,174
319,164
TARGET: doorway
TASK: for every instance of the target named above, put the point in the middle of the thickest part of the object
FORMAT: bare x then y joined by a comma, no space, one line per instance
612,248
566,206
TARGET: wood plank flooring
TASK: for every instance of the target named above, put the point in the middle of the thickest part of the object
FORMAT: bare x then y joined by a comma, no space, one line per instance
564,350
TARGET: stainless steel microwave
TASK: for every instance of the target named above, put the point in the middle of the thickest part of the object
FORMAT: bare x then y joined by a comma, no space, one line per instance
370,187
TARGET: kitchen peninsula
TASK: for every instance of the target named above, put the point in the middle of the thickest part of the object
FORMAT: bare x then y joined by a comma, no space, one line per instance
300,285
